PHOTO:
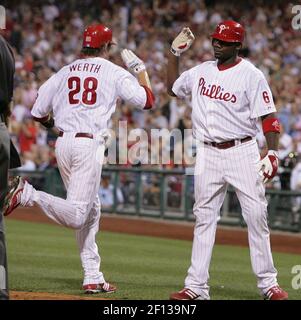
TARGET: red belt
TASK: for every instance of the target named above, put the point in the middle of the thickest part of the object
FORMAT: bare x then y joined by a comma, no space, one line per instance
227,144
79,135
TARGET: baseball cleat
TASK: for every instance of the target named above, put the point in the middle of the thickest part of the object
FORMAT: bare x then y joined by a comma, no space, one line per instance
276,293
99,288
13,197
185,294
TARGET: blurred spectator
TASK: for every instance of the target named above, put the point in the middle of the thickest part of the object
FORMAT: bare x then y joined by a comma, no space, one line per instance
174,191
128,187
20,111
296,186
151,189
44,158
285,144
287,164
158,120
28,163
28,134
106,193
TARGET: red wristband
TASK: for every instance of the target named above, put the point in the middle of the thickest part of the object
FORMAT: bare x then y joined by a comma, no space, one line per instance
270,125
150,98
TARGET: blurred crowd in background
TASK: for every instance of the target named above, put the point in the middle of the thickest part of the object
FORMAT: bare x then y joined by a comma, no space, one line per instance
46,35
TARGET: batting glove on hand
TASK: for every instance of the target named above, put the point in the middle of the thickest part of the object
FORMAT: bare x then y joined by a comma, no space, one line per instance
182,42
132,61
269,165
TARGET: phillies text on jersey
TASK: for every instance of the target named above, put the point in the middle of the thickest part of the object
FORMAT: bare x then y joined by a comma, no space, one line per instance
225,103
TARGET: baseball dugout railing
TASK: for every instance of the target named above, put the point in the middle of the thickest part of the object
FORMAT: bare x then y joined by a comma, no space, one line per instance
168,194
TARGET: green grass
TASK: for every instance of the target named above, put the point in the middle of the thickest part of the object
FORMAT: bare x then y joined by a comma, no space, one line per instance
45,258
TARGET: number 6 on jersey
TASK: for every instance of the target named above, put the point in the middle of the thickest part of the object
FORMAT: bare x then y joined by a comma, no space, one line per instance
88,96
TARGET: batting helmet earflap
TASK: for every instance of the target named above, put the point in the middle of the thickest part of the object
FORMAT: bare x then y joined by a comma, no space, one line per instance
229,31
96,35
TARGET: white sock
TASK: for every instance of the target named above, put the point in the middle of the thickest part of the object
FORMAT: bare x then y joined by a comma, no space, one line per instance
29,195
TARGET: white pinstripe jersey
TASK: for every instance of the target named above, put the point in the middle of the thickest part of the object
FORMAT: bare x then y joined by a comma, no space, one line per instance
226,104
83,94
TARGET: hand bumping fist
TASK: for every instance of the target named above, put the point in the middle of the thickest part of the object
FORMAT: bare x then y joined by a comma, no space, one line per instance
132,61
182,42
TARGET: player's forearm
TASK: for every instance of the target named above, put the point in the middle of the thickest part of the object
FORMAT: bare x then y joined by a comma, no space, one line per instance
172,72
272,139
138,67
47,121
143,79
179,45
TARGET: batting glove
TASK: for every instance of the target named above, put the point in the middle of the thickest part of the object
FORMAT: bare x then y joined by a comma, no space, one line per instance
182,42
269,165
132,61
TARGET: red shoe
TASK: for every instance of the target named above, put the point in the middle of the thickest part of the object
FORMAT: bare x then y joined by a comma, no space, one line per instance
99,288
185,294
276,293
13,197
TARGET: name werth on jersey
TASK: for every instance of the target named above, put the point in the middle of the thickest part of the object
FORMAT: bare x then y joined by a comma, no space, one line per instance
89,67
215,92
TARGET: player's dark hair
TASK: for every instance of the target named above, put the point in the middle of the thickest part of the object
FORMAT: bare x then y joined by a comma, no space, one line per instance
91,51
95,51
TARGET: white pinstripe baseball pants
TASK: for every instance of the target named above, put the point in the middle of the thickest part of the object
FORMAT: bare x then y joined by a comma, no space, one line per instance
80,163
215,169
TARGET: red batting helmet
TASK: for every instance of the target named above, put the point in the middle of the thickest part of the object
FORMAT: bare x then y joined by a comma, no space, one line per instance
96,35
229,31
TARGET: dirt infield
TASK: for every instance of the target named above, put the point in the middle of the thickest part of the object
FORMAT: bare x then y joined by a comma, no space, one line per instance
281,242
23,295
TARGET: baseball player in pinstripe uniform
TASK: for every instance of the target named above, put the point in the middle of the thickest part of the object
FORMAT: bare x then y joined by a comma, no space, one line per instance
229,97
82,97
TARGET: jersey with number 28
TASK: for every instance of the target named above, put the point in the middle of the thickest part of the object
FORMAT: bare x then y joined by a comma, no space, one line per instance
83,94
